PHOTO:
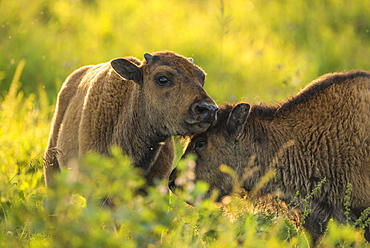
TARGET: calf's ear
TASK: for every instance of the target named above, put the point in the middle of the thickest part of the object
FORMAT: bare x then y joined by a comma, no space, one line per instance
237,119
127,70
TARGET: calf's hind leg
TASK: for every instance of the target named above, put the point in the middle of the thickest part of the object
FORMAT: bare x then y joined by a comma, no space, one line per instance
367,234
316,222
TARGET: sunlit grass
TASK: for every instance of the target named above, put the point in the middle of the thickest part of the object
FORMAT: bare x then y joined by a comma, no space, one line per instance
262,48
252,50
72,216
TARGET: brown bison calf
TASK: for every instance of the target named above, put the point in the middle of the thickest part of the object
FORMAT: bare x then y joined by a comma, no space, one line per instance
136,105
321,136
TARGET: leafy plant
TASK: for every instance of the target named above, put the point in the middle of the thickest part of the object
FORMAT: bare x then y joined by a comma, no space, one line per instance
259,50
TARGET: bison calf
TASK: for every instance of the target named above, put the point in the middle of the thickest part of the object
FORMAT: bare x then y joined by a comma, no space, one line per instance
136,105
317,141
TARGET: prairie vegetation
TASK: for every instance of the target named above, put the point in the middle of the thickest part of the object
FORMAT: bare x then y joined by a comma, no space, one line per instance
252,50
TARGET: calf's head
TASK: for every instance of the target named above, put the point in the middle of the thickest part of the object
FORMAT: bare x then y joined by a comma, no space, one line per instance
219,145
171,92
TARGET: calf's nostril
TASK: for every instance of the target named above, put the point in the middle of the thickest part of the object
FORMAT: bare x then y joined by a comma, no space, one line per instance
201,110
206,112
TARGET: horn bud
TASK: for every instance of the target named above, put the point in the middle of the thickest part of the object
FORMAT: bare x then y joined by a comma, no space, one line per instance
148,57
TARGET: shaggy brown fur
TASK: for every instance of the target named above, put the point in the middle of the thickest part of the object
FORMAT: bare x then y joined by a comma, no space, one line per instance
136,105
322,134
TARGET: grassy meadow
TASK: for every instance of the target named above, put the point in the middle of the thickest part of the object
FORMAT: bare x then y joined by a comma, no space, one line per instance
261,50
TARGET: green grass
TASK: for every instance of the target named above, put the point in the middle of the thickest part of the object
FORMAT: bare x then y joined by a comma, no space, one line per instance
254,50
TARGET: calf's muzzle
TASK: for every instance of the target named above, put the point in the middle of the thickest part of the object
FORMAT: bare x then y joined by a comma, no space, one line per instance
206,113
202,113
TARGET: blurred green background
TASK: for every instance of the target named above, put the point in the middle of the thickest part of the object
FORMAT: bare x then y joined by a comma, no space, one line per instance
261,50
252,50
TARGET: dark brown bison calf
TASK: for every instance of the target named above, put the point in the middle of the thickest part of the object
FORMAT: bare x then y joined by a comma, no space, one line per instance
136,105
321,136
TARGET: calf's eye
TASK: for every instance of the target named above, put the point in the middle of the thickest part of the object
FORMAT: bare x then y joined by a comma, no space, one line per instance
162,80
200,144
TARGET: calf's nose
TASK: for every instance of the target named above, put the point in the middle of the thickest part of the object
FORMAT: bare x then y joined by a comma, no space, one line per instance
206,113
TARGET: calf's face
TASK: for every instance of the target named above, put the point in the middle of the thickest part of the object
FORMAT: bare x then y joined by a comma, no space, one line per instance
219,145
171,93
